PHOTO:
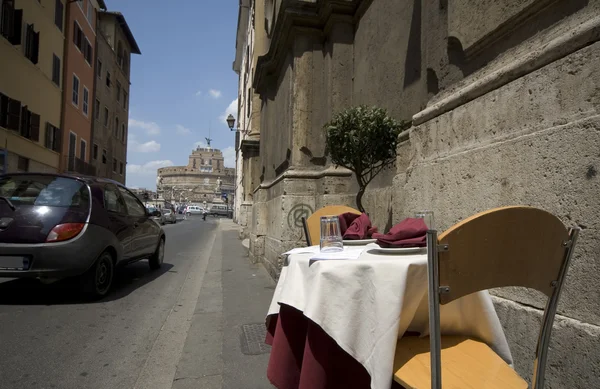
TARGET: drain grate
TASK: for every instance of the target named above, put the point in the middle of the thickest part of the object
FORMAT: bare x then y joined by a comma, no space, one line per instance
253,339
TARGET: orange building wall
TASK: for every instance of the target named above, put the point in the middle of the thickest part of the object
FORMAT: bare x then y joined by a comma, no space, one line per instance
74,118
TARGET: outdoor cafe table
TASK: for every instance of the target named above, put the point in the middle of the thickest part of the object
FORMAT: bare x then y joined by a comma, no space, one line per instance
335,323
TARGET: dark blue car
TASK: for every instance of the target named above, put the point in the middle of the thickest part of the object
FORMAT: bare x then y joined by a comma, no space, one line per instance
55,226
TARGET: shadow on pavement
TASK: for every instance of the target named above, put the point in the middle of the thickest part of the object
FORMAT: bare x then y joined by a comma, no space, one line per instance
32,292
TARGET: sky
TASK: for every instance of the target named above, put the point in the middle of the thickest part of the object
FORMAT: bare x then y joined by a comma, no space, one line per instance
181,85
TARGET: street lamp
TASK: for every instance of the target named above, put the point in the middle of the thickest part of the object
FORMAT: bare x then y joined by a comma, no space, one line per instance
231,122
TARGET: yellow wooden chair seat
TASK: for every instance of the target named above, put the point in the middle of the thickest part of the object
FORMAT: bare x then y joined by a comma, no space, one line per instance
466,364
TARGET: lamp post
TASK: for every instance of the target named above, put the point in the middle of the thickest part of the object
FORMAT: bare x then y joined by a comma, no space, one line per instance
231,123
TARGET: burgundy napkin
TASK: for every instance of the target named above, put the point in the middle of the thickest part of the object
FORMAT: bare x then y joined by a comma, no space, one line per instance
359,228
410,232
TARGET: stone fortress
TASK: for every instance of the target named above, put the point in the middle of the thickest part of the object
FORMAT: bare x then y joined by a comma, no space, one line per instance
203,179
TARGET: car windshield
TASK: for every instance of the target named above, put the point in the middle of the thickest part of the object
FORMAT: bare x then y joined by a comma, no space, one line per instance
50,191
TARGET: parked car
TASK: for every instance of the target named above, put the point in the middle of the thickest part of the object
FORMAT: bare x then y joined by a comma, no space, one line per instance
220,210
156,215
194,210
55,226
169,216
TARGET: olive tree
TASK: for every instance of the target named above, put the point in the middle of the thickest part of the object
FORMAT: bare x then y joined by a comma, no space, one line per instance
363,139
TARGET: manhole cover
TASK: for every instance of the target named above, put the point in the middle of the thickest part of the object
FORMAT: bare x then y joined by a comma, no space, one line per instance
253,339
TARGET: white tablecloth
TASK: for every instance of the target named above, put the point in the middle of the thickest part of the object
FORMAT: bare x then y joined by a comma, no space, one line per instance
365,304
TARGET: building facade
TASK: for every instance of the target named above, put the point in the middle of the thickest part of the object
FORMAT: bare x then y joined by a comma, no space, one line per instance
115,44
79,83
31,83
204,179
503,99
250,44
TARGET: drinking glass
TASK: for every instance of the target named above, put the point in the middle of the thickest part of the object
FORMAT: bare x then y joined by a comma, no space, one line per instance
427,217
331,236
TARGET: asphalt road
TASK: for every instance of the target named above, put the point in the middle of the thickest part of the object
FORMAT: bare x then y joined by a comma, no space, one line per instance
51,338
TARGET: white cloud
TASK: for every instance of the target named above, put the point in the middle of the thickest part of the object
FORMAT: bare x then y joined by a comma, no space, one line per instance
231,109
182,130
148,147
215,93
200,144
199,93
148,168
150,127
229,157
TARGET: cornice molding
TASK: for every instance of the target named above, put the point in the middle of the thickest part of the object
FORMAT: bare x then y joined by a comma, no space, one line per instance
298,16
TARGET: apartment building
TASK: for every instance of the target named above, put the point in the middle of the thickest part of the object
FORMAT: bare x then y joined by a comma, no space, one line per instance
79,83
115,44
31,83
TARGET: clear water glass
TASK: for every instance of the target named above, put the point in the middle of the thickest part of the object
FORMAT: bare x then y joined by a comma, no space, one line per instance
428,218
331,236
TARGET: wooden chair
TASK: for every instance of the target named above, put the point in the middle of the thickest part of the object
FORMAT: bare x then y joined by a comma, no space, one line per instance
312,225
510,246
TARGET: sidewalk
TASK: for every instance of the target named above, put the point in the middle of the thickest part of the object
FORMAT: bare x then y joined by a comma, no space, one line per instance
225,344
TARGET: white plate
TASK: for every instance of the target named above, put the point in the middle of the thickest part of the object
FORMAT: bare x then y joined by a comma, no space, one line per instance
359,242
398,250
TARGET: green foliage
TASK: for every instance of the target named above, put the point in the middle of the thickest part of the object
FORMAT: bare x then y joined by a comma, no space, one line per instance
363,139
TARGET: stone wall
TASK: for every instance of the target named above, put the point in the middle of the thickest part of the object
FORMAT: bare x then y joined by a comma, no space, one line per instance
504,101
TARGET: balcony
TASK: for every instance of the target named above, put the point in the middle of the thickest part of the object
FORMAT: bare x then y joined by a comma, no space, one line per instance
76,165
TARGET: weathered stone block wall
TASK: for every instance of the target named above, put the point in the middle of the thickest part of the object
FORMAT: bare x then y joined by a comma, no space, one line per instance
531,140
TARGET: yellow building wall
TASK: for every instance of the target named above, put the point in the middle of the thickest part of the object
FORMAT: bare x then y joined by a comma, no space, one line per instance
32,84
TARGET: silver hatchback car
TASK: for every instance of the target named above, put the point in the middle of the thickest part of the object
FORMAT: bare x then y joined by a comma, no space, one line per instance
169,216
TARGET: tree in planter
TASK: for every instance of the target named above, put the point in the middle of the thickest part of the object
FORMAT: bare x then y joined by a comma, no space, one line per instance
363,139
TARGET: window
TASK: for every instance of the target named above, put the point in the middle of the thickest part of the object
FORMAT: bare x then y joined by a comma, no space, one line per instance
108,79
97,109
90,12
56,70
11,21
121,168
95,152
75,96
118,91
123,132
105,117
3,110
114,165
44,190
30,125
124,100
99,69
134,206
53,138
58,14
10,113
86,97
116,129
80,4
82,149
88,51
113,202
248,102
78,36
32,44
104,156
22,165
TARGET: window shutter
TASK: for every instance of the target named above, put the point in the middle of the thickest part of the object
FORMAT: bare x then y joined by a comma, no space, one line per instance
14,115
17,27
57,139
58,14
24,128
49,136
3,110
34,126
35,48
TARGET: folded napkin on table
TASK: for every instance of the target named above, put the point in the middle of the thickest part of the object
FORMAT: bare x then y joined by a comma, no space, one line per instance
355,227
410,232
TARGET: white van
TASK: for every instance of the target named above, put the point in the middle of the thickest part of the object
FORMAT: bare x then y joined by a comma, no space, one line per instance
220,210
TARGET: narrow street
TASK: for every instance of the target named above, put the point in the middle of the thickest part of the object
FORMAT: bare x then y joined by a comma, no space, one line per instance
134,338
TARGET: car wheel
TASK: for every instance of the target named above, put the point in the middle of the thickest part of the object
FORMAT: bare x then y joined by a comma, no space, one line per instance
156,260
98,279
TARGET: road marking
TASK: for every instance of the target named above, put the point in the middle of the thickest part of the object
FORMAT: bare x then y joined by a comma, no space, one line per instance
160,366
